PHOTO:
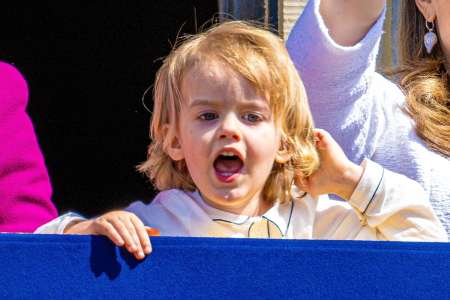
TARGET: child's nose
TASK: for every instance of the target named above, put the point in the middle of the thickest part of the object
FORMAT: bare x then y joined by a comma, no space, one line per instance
230,128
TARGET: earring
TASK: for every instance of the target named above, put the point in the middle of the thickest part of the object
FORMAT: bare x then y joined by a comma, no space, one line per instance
430,38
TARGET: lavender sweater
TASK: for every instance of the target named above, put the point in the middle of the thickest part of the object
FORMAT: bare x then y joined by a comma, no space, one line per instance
362,109
25,189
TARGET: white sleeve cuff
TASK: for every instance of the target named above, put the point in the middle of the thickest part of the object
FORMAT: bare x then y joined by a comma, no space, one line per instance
368,186
58,225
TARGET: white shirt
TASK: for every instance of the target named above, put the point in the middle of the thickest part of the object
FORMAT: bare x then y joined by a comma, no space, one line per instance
384,206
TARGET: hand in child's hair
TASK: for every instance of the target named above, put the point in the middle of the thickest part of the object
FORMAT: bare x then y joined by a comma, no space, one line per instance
121,227
336,174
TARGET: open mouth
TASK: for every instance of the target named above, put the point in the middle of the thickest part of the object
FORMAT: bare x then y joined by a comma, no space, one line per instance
228,166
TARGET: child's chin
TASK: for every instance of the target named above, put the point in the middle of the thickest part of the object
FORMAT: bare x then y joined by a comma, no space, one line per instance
231,194
231,199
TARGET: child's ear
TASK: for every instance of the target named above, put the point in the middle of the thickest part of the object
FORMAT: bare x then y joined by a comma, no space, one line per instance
174,149
282,156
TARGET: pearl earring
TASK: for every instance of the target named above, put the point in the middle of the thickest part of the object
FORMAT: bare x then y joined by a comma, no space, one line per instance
430,38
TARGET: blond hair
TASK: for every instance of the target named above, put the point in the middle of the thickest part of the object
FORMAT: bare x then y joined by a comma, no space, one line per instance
261,58
425,81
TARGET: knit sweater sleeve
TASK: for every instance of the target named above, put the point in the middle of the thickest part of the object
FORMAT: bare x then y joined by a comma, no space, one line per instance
25,189
333,74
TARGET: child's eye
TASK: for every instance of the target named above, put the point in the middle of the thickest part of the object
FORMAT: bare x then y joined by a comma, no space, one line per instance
252,117
208,116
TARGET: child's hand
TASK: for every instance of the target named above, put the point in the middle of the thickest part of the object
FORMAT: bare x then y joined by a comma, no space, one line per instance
121,227
336,174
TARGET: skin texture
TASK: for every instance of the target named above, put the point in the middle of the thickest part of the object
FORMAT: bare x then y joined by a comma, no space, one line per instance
221,111
359,16
438,11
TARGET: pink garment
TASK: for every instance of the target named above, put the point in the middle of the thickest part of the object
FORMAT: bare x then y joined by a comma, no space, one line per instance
25,190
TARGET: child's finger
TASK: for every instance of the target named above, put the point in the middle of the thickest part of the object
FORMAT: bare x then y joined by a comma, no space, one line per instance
123,231
139,252
142,234
320,137
108,229
318,133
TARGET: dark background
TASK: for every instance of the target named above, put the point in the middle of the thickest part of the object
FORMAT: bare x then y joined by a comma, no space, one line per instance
88,65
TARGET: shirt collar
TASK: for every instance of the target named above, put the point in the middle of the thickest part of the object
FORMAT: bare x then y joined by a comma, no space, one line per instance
279,214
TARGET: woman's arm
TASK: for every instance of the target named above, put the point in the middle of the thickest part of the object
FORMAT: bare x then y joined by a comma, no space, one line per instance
25,189
339,79
349,21
335,75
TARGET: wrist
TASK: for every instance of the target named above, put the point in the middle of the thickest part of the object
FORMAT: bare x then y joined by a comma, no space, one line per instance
349,180
77,227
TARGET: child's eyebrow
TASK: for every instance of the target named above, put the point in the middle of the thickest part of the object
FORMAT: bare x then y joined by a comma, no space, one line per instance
261,105
204,102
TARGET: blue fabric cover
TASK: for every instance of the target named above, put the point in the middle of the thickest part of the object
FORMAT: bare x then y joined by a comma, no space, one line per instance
82,267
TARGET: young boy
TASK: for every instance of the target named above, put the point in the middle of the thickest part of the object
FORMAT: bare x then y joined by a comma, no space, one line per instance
231,132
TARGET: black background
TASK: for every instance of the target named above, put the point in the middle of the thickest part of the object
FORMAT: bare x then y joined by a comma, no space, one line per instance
88,64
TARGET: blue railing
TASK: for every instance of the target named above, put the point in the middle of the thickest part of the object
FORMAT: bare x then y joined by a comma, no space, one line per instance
80,267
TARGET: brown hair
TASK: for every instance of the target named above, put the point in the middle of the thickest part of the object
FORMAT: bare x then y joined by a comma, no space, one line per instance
260,57
425,81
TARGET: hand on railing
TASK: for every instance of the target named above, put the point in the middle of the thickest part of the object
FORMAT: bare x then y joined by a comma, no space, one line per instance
122,228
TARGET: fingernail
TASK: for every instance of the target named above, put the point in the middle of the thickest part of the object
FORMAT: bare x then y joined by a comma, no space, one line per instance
152,231
147,249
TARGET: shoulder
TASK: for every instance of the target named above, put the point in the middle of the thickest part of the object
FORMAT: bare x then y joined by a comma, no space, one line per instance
387,92
174,213
389,100
163,200
13,87
9,74
440,168
170,211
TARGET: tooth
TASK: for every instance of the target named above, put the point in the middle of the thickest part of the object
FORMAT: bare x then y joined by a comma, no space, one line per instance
227,153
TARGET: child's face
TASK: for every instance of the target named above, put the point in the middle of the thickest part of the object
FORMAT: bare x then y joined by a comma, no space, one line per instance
227,136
